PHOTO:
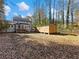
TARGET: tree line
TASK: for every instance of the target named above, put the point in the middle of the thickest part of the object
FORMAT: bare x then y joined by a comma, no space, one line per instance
55,11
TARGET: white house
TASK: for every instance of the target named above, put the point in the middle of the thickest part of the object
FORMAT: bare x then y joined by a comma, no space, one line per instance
20,24
11,27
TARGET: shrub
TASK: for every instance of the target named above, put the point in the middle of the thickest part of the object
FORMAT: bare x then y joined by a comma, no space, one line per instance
3,25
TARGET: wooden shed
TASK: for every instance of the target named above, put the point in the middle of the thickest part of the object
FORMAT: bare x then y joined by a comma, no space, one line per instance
51,28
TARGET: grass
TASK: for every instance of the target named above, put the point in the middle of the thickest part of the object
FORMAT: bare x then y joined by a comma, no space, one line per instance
61,39
43,46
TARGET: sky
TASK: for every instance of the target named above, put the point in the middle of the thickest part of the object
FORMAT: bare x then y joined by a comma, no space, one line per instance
18,7
22,7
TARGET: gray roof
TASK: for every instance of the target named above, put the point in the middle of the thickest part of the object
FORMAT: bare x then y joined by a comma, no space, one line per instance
18,18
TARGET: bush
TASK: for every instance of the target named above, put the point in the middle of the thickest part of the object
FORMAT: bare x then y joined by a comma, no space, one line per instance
3,25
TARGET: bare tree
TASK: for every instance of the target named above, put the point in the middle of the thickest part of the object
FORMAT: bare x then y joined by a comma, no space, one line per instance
50,11
72,12
63,11
68,11
53,11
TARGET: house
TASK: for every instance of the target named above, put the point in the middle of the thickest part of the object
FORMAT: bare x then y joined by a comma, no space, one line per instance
20,24
11,27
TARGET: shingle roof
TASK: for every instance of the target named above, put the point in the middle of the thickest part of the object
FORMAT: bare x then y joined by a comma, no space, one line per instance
21,19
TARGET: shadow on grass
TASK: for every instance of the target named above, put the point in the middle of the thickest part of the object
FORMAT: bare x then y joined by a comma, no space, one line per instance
31,49
63,34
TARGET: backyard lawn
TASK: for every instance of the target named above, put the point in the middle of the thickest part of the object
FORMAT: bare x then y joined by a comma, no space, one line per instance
38,46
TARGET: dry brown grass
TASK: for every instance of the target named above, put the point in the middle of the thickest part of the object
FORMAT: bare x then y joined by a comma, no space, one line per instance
60,39
40,46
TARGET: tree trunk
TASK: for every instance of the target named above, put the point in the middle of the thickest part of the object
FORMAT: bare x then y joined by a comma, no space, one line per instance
68,11
49,11
53,11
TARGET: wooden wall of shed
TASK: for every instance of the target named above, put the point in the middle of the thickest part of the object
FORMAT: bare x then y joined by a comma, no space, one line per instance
52,28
